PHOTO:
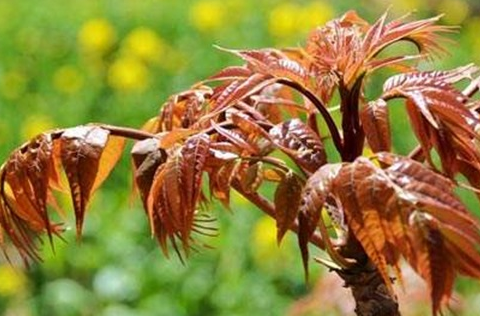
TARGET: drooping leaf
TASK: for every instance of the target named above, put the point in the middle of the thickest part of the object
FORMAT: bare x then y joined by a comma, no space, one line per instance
194,154
31,174
82,151
287,202
398,208
433,264
221,179
313,198
363,217
147,158
439,116
175,192
252,177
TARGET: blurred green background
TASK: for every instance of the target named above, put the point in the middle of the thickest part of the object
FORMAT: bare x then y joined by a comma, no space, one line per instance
68,63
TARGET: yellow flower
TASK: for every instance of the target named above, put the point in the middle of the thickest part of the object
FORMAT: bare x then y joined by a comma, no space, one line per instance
315,14
208,15
287,19
35,125
265,249
456,10
67,79
403,6
13,84
13,280
128,74
145,44
265,234
97,36
282,21
471,31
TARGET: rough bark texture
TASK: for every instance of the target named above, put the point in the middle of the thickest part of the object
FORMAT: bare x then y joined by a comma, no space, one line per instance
372,297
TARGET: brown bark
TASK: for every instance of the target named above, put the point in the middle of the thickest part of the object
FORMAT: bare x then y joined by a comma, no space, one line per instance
371,295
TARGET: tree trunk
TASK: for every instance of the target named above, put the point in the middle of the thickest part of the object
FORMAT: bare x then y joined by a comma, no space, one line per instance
371,295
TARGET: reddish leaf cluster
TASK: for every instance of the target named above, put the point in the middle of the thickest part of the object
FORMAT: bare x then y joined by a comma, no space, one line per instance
29,178
260,122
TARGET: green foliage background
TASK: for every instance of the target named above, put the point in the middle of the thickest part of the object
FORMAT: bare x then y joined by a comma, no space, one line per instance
69,63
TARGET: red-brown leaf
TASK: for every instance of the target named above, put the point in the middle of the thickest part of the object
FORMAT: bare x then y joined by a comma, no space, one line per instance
313,198
433,263
351,187
82,151
231,73
147,158
221,179
194,155
287,202
375,122
240,89
252,177
301,143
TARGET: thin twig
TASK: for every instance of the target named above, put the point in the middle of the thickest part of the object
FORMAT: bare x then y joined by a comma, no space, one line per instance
472,88
127,132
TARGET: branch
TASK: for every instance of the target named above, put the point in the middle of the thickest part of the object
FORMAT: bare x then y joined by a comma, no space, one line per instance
127,132
337,140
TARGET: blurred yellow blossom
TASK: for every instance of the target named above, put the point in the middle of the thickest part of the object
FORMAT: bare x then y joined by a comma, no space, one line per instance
208,15
288,19
404,6
314,14
145,44
456,11
13,84
35,125
282,21
266,251
128,74
97,36
67,79
471,32
174,60
13,280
